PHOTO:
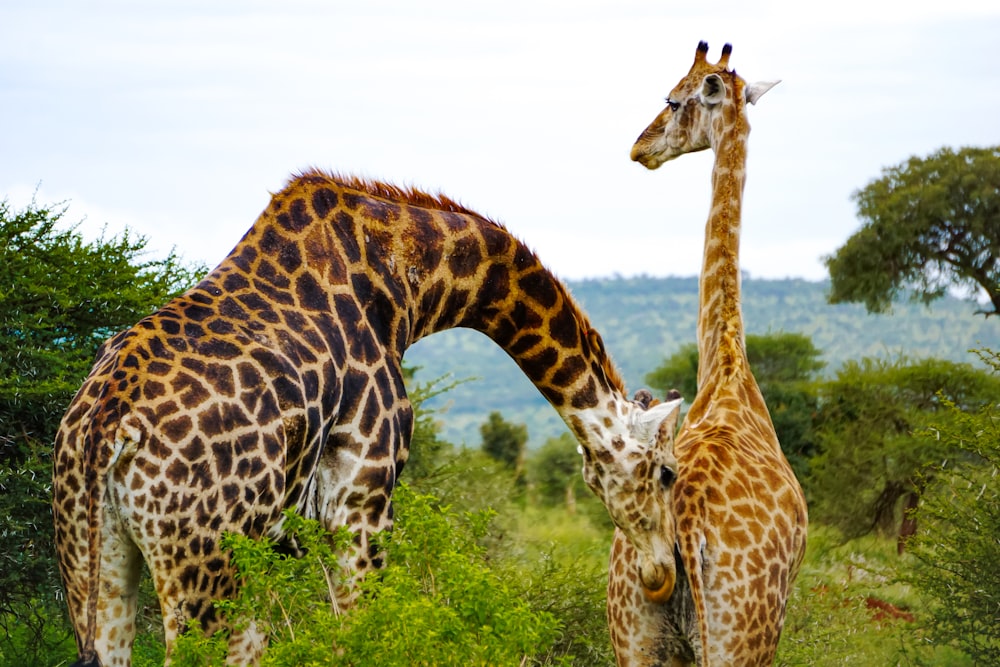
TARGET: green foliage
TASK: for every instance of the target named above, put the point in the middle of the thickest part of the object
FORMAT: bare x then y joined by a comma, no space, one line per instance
60,298
784,365
558,560
678,371
28,574
783,357
428,451
848,607
437,602
870,456
553,472
958,549
929,224
33,622
555,479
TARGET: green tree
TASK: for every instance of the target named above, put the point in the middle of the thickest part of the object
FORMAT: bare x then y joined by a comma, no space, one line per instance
784,365
60,297
503,441
929,224
957,553
553,471
678,371
867,473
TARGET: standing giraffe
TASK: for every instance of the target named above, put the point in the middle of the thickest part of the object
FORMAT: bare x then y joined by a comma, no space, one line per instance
276,383
739,513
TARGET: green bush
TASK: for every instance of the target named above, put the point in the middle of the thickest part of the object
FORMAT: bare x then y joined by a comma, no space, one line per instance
437,602
957,548
849,606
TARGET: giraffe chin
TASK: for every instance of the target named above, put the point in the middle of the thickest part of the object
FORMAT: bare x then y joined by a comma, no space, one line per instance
662,593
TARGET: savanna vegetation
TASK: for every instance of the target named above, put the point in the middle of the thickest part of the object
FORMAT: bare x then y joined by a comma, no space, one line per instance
499,553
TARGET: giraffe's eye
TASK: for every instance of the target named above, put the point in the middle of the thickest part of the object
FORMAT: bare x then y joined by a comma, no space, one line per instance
667,476
674,106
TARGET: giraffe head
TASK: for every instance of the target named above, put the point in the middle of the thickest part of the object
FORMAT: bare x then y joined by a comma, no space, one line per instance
634,477
686,124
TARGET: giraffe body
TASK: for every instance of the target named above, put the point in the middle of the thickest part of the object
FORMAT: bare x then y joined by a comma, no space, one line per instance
277,383
739,513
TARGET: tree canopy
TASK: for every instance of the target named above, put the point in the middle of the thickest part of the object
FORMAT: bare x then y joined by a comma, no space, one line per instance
504,441
929,224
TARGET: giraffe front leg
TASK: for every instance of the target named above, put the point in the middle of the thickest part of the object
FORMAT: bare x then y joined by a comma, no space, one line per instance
366,523
366,512
355,480
246,645
188,594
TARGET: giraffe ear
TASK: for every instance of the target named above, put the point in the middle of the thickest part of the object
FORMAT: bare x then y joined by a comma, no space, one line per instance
668,427
650,423
756,90
713,89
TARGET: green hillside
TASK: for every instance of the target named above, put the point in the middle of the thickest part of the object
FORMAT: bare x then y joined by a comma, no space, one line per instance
643,320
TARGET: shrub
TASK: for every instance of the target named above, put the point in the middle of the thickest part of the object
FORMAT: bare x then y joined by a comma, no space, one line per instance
958,549
437,602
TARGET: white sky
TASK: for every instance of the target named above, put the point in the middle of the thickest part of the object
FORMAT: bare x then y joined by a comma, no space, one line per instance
177,118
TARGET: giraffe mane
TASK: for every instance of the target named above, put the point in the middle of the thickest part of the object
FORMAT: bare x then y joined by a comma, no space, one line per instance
610,369
381,189
441,202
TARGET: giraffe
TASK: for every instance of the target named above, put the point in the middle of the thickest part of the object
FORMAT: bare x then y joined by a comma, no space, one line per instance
276,382
739,514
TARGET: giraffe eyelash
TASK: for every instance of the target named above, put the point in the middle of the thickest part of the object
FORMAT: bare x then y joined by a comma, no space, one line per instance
674,106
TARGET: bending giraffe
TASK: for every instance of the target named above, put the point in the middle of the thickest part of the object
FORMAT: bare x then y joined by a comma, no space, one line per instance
739,513
277,382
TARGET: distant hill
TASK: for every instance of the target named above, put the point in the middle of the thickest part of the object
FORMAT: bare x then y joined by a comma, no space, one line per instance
644,320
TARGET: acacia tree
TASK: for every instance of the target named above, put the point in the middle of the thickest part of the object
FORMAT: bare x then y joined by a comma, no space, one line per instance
930,224
784,365
60,297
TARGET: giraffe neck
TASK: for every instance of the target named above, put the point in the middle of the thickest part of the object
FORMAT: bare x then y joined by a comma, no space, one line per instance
721,346
529,313
419,265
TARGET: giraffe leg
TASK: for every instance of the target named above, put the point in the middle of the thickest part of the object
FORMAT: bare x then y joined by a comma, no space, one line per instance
246,646
121,564
181,605
104,638
187,590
